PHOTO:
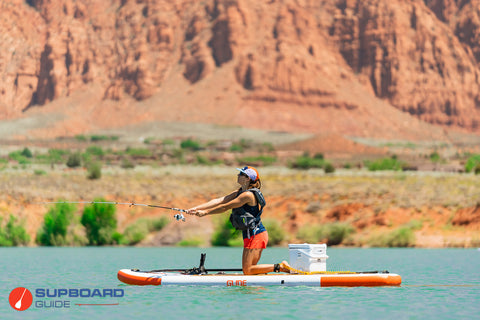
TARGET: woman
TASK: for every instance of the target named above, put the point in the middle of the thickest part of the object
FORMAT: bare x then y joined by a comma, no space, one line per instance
245,198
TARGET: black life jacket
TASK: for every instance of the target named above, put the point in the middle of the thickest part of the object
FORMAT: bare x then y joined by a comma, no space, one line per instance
243,220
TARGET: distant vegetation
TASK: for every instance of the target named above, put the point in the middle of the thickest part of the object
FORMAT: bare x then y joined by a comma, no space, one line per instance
97,151
276,234
473,164
306,162
225,235
100,223
97,226
92,154
55,226
137,231
12,233
332,233
385,164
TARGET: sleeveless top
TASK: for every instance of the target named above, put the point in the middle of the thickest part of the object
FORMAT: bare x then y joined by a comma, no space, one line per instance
254,211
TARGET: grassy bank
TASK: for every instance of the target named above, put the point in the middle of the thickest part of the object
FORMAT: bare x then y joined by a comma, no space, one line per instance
359,207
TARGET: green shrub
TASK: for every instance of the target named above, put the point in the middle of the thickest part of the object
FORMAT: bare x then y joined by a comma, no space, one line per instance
225,235
95,138
137,231
384,164
26,153
265,160
55,225
74,160
203,160
191,242
328,168
81,138
472,162
414,225
435,157
240,146
139,152
178,154
336,232
134,233
190,144
39,172
94,171
56,155
95,151
236,148
267,146
168,142
347,165
19,157
332,233
306,162
310,234
127,164
477,169
100,223
13,233
400,237
117,238
276,234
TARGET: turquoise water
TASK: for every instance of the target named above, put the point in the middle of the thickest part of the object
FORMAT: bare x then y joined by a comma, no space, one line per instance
437,284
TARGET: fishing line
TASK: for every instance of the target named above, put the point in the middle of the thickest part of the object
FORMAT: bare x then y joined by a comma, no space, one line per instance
178,216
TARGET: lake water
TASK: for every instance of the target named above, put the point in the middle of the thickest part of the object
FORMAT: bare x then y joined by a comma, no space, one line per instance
437,284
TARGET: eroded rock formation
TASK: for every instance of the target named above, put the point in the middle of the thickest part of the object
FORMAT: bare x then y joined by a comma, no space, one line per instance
419,56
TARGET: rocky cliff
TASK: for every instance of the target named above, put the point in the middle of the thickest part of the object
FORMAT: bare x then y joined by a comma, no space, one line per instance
364,67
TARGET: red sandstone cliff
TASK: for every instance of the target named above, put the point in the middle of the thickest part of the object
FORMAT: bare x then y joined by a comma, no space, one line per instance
363,67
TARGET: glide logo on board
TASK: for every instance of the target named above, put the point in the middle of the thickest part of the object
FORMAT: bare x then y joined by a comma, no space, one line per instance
21,298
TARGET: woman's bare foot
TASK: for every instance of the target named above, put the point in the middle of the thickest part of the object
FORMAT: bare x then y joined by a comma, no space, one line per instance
285,267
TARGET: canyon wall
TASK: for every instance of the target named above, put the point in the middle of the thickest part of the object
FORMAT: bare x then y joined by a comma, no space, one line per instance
421,57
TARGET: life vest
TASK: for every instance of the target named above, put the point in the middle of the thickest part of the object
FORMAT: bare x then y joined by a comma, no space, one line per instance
244,220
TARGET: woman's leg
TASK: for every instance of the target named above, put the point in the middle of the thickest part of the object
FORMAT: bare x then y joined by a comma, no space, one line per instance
250,259
252,252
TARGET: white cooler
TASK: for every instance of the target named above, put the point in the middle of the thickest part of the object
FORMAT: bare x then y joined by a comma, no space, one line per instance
308,257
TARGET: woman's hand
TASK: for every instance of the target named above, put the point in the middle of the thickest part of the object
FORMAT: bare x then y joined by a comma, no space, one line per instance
196,212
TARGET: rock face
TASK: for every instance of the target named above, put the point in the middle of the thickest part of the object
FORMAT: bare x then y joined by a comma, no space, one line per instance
331,56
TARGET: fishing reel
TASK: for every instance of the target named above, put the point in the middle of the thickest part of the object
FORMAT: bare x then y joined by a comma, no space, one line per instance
179,216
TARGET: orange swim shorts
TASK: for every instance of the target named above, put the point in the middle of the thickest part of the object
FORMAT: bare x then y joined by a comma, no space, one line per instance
258,241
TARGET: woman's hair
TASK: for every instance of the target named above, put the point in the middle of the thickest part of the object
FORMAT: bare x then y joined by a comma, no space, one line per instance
255,184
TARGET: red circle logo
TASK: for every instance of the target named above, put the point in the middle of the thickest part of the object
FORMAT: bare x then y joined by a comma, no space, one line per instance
20,299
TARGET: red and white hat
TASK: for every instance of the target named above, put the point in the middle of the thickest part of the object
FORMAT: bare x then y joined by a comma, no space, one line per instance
251,172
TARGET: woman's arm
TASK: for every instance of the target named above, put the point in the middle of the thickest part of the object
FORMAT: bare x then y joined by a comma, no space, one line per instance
237,202
215,202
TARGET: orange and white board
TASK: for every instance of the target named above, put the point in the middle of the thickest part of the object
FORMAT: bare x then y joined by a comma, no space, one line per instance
134,277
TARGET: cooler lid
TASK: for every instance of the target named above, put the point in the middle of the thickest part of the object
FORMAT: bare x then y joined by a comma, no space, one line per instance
306,245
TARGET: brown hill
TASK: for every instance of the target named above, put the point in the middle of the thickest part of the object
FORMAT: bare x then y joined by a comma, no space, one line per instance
372,68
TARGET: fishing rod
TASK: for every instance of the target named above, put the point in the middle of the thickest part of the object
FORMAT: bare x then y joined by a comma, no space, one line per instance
178,216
